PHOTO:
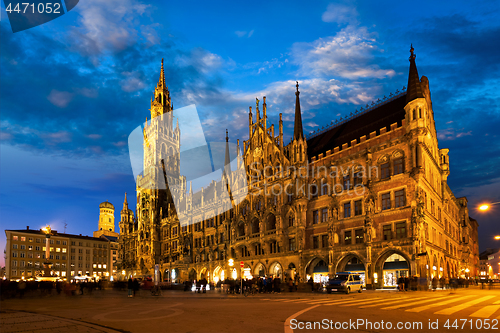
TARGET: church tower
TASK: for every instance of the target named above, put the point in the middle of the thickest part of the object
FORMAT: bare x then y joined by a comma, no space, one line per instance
106,225
161,175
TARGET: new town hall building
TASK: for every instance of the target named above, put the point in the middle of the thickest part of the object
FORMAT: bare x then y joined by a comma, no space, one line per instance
367,194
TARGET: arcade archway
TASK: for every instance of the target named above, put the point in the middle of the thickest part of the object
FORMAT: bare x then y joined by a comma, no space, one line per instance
259,270
276,270
354,264
389,267
317,269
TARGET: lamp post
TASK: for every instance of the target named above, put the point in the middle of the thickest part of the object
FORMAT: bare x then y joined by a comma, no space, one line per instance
486,206
46,264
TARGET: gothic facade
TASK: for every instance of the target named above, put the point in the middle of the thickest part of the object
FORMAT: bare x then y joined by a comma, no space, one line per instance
367,193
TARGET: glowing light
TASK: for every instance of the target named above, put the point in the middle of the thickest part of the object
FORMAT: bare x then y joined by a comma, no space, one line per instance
497,237
484,207
230,262
174,275
235,274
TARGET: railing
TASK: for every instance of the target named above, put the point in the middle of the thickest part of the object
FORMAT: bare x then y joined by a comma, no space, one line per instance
369,107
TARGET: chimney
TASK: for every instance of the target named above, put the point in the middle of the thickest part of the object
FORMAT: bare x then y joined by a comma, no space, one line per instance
27,227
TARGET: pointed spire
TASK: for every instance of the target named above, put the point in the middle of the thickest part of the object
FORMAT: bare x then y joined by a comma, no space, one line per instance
227,161
161,82
414,89
297,130
125,203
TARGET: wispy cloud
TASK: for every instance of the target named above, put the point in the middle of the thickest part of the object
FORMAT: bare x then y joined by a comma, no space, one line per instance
349,54
244,33
340,14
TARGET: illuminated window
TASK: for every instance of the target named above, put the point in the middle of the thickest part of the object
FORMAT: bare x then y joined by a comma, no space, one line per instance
104,266
64,250
58,249
14,238
347,237
23,239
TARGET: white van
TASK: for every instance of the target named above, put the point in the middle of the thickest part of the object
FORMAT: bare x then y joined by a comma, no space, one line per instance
345,282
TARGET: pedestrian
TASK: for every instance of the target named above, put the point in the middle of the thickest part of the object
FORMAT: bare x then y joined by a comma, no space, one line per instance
311,284
434,283
400,283
406,282
136,285
22,287
130,285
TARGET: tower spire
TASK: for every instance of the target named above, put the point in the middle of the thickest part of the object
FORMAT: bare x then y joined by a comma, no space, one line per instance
414,88
297,130
161,82
125,203
227,161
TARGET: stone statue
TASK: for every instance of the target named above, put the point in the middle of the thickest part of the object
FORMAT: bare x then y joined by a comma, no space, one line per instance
300,237
370,207
335,214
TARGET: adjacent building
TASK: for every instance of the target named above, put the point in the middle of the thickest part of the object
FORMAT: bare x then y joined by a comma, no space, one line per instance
70,255
367,193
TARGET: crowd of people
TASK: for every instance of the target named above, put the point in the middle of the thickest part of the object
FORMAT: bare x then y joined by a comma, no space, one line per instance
11,289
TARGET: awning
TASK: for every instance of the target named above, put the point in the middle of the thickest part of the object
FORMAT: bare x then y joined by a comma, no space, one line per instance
320,269
394,265
354,267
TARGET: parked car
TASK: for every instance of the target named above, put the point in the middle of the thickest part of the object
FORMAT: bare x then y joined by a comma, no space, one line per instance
345,282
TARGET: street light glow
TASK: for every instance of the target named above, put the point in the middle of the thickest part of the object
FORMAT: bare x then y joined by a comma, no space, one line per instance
497,237
484,207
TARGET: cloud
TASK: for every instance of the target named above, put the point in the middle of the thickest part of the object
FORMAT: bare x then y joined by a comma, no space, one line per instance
348,54
340,14
242,33
60,98
109,26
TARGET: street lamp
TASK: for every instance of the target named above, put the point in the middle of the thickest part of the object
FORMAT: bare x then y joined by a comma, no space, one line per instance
46,271
497,237
486,206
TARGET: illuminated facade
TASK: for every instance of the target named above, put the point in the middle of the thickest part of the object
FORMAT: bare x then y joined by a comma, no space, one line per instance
70,255
367,194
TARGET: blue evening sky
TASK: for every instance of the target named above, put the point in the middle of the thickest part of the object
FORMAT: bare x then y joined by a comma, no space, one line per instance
73,89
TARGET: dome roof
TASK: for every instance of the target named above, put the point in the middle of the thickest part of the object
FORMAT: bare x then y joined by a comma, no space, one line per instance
106,204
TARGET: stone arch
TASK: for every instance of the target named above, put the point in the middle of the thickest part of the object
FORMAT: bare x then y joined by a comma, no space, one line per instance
259,269
255,226
192,274
240,228
356,262
313,262
276,269
271,222
288,215
392,269
203,273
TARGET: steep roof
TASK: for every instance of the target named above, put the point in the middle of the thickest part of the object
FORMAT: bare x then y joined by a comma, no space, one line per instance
414,89
371,121
297,129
